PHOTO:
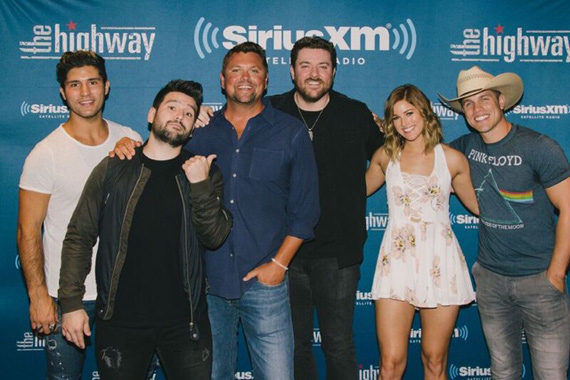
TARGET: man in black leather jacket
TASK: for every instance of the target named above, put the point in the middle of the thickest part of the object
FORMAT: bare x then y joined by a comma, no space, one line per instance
153,216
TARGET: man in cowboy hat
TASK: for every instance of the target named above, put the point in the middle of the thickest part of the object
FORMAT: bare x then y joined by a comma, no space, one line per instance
521,177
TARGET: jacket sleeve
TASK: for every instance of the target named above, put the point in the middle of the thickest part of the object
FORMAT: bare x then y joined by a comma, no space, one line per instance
212,222
82,233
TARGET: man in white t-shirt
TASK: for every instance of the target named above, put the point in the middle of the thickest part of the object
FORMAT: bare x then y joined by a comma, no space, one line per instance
52,181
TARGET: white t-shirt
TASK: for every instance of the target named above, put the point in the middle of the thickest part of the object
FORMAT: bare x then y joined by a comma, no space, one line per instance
59,165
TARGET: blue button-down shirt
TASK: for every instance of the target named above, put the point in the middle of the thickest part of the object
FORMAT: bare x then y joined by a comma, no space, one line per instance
270,187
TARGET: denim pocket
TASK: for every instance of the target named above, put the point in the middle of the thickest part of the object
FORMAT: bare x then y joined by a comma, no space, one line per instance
266,164
551,286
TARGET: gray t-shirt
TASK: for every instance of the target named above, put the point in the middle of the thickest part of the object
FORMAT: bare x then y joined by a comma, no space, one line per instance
517,222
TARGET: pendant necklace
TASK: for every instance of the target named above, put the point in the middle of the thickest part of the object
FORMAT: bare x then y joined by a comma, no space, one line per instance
310,129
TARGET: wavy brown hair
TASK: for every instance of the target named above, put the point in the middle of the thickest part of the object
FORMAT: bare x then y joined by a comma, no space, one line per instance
393,141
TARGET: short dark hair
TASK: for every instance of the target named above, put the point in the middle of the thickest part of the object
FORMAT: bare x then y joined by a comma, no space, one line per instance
313,42
246,47
72,59
187,87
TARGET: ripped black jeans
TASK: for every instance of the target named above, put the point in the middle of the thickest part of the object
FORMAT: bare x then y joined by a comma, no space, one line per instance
125,353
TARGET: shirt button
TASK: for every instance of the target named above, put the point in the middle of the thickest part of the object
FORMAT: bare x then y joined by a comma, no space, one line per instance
234,175
237,150
231,255
232,201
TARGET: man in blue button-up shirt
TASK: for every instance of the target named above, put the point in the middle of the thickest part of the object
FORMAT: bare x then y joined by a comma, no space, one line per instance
271,188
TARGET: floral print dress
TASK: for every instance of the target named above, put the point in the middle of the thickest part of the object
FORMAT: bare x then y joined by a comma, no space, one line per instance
420,260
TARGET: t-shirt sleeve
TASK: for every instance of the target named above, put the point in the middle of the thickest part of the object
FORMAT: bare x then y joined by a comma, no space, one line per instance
549,162
459,144
38,172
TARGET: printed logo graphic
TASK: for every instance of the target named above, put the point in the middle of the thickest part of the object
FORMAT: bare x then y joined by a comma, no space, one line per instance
546,111
316,337
17,261
31,342
363,298
473,373
499,43
111,42
44,111
401,38
372,372
214,106
443,112
469,222
376,221
244,375
461,333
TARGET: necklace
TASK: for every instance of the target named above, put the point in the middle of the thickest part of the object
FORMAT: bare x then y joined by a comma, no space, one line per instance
310,129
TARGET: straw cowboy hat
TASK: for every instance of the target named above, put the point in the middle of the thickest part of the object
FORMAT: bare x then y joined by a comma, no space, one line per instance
473,81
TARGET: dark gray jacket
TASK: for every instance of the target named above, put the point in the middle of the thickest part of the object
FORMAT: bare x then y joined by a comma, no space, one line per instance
106,209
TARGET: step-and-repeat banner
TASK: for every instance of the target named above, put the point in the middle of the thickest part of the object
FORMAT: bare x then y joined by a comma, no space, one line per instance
380,44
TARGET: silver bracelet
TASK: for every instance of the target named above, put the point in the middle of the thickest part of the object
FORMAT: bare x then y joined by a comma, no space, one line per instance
279,264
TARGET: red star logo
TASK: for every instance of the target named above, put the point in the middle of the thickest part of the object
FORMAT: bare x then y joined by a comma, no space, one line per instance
499,29
72,25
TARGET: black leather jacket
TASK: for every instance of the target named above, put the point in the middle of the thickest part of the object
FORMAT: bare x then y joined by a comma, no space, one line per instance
106,209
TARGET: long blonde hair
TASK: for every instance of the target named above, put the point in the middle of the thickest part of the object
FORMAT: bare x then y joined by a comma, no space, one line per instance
393,141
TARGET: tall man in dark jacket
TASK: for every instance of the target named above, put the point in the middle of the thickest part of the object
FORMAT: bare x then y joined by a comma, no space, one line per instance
325,272
153,215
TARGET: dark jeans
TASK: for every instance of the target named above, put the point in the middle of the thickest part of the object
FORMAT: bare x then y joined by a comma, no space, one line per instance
320,284
125,353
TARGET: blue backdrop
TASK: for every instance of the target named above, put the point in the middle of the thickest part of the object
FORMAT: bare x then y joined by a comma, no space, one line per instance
381,44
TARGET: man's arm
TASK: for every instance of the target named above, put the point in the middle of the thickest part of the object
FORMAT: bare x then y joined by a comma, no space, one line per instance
32,211
302,211
273,272
559,195
211,220
82,233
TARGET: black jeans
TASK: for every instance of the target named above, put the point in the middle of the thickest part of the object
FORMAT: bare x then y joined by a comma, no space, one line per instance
125,353
320,284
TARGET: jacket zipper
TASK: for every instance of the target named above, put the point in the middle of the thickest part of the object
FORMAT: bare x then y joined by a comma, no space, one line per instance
111,287
187,269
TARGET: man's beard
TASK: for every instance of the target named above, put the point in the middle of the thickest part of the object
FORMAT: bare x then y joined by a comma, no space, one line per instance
174,140
308,96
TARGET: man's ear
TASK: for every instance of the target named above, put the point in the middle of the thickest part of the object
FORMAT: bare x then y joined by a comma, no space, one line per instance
502,101
62,93
151,114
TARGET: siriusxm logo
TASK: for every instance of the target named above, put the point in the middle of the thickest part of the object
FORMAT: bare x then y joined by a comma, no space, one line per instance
369,373
473,373
401,38
540,112
214,106
376,221
316,337
95,375
461,333
363,298
244,375
523,45
44,111
443,112
31,342
468,221
111,42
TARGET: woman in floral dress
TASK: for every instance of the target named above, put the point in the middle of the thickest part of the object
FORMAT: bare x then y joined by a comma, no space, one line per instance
420,264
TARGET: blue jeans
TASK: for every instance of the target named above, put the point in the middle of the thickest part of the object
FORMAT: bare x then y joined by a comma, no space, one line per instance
320,284
508,305
265,315
64,359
